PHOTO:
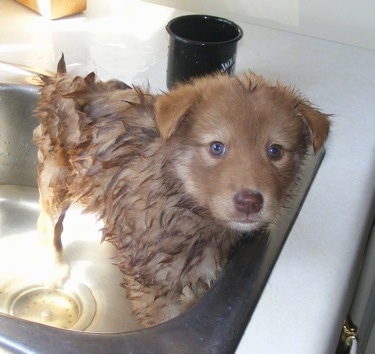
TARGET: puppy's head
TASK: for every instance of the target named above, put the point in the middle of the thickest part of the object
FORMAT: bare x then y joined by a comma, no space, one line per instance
237,144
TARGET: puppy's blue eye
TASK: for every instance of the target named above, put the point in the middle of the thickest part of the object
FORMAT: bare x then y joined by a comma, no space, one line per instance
275,151
217,149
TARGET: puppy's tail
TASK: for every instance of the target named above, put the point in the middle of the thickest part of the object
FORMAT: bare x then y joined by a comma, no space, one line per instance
61,71
61,66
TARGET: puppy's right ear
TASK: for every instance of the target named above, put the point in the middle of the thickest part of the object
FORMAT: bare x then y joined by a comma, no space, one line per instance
171,108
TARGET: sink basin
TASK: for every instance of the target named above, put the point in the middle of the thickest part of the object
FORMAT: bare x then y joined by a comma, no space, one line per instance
91,313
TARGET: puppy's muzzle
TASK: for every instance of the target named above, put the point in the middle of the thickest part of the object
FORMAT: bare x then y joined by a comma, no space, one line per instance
248,202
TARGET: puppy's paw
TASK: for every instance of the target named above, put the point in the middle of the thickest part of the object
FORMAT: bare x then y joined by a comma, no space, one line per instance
56,275
48,265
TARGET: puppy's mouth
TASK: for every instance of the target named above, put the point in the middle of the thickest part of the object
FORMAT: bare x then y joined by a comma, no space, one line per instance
247,224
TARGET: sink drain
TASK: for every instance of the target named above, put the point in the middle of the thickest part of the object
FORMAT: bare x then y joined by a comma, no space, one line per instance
53,307
68,308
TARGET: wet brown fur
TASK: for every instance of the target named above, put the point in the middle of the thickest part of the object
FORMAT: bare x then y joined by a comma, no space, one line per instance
142,163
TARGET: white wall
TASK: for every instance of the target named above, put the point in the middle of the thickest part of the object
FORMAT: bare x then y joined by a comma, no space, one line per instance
347,21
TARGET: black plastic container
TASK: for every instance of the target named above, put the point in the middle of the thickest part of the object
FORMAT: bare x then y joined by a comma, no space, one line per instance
199,45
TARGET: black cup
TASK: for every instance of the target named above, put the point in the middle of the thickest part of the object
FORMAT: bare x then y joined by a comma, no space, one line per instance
200,45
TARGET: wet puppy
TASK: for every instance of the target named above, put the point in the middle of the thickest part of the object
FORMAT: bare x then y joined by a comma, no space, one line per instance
176,178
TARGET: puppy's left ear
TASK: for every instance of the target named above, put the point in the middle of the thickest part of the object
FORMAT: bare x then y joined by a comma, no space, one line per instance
317,122
171,108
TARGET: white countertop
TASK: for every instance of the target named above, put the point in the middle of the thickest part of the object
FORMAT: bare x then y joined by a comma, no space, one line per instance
305,300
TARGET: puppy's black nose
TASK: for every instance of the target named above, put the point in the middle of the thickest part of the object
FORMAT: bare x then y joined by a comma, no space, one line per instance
248,202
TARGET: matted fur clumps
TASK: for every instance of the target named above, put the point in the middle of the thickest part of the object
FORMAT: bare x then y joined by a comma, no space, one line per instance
176,178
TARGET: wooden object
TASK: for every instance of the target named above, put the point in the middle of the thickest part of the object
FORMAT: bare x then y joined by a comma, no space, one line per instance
55,8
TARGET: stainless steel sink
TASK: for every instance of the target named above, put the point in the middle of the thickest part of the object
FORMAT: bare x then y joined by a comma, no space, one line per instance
91,313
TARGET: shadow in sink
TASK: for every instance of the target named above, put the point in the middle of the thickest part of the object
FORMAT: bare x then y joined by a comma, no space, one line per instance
91,312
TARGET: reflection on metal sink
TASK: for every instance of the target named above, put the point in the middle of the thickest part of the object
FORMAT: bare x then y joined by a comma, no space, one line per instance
92,312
